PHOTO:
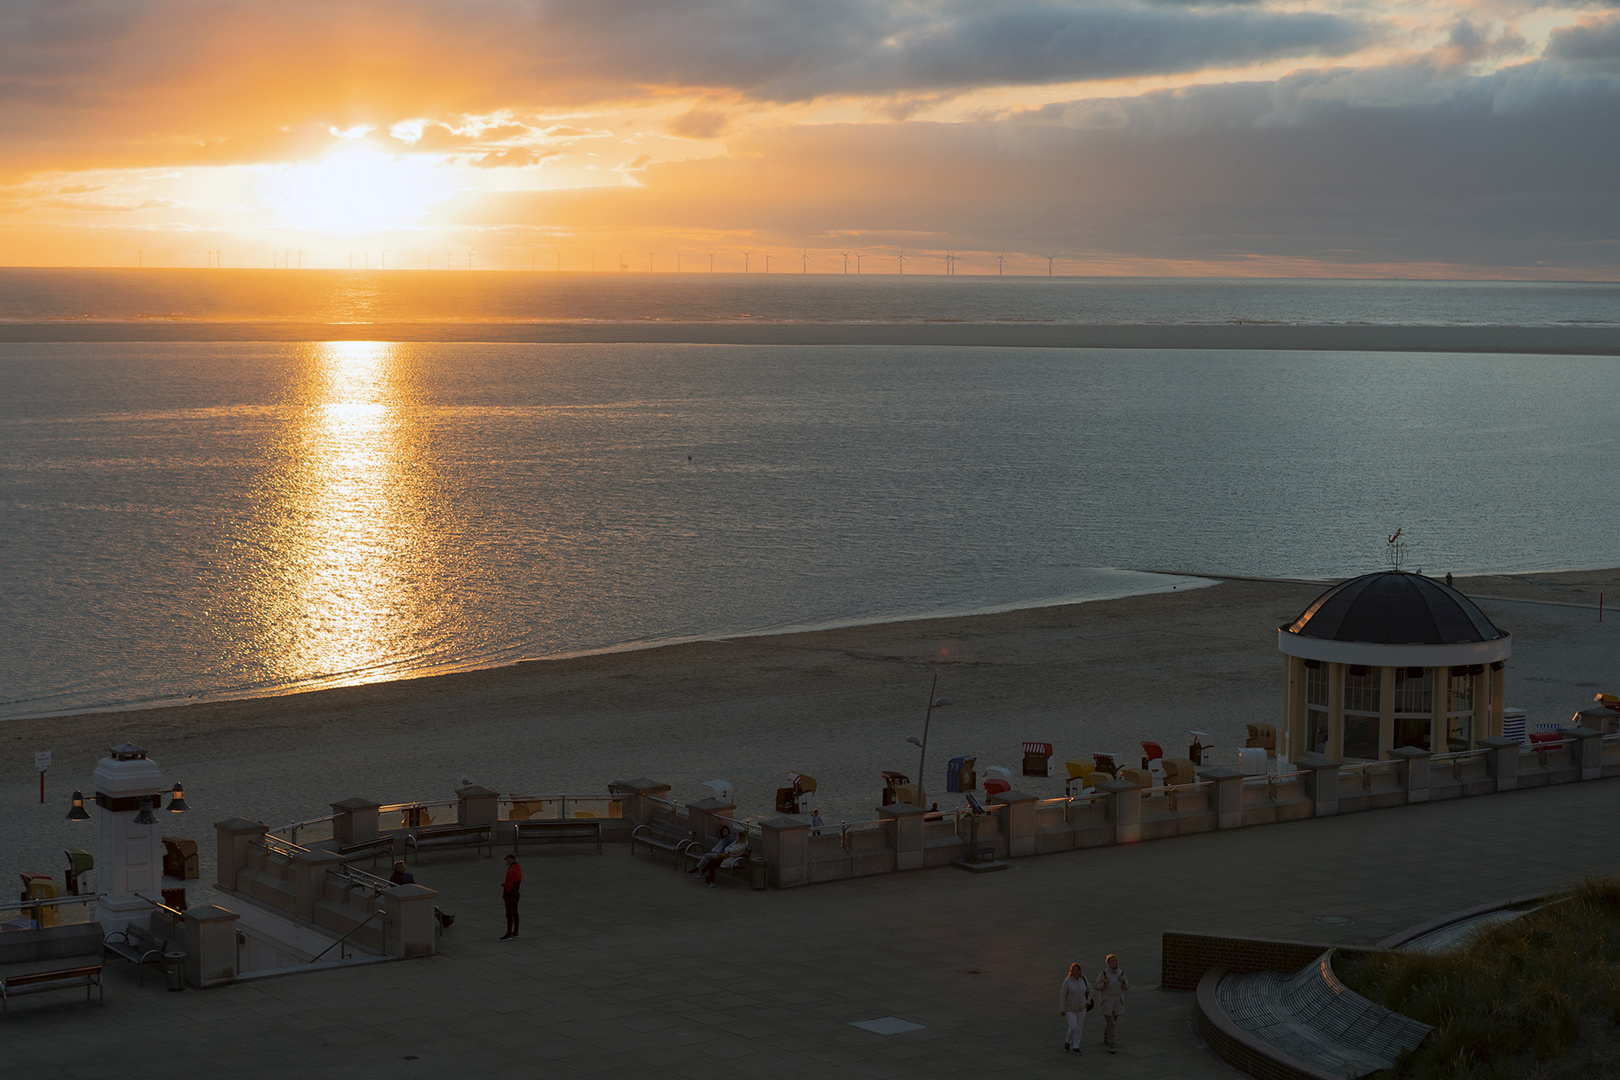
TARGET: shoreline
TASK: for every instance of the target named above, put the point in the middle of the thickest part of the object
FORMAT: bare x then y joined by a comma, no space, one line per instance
1172,582
1537,340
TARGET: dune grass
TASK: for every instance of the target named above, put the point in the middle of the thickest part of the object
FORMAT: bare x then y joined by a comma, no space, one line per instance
1517,994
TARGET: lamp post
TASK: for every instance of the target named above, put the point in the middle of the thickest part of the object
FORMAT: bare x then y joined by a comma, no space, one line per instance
922,761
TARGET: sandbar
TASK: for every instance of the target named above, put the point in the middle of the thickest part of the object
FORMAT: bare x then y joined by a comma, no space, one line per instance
1542,340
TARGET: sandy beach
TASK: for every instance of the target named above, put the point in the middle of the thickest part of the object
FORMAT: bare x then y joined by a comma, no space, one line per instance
1545,340
834,704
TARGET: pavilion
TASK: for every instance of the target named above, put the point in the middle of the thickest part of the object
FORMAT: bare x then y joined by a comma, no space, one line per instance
1388,660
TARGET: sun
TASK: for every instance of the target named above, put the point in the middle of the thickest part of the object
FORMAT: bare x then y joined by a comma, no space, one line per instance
359,189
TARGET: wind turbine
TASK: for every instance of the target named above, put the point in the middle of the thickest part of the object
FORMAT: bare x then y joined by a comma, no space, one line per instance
622,264
902,259
469,258
845,254
649,262
746,254
950,262
767,262
1001,264
804,262
711,262
677,262
857,263
1049,259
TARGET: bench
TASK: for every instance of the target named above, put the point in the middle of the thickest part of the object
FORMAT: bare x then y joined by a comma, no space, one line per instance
581,830
663,836
67,973
481,835
139,946
382,845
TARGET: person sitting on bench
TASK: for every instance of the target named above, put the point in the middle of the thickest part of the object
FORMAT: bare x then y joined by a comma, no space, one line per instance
710,862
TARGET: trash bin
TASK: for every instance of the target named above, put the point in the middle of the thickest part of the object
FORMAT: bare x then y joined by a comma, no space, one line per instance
174,970
757,873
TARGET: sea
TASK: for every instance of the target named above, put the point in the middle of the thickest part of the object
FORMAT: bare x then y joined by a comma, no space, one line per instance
225,519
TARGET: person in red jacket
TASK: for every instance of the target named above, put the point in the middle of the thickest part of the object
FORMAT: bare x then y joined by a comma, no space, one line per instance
509,893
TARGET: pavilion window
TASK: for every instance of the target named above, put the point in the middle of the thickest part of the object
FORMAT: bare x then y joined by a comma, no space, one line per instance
1317,701
1460,711
1414,707
1362,687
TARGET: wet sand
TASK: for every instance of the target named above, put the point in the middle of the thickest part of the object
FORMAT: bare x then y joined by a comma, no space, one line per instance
834,704
1581,340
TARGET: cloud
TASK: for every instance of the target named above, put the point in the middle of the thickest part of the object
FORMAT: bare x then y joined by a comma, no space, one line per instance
1591,43
1492,171
699,123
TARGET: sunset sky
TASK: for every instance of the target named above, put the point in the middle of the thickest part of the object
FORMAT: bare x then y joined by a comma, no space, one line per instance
1433,138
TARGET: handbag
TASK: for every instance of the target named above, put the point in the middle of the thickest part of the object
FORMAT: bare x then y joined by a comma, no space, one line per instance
1090,1004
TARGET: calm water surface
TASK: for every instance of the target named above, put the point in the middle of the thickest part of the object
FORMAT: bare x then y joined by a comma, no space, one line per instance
224,519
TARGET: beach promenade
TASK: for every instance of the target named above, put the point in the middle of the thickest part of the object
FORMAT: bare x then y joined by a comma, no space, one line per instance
627,967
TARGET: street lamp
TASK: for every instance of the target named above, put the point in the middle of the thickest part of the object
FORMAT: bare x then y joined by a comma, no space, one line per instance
922,761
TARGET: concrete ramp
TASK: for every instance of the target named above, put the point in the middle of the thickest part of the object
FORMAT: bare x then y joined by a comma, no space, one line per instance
1305,1025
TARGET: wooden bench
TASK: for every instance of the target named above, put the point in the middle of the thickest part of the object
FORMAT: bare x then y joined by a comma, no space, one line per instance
68,973
566,830
481,835
663,836
137,945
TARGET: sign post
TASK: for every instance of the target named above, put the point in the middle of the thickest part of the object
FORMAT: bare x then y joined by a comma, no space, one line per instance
42,761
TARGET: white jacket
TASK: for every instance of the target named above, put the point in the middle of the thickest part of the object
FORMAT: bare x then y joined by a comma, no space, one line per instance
1110,987
1073,994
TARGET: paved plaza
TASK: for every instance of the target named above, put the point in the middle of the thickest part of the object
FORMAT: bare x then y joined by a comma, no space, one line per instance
627,968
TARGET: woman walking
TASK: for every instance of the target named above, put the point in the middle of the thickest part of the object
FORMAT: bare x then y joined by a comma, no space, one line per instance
1111,987
1074,998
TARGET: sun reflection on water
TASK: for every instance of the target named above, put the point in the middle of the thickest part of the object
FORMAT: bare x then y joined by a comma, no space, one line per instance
339,602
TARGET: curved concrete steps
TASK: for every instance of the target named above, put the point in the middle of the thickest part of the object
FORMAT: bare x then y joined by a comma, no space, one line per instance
1305,1026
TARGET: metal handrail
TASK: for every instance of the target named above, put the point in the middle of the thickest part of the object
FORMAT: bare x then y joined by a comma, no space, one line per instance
561,799
282,847
53,901
363,878
176,912
345,937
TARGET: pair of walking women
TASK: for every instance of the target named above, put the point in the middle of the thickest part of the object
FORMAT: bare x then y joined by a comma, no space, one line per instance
1079,996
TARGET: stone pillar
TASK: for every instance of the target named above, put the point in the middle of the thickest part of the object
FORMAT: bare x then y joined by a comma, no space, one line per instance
1502,761
210,936
1587,745
232,839
1124,810
908,834
636,793
477,805
1226,797
356,821
785,843
1019,819
130,855
1414,772
308,874
408,923
1321,783
700,817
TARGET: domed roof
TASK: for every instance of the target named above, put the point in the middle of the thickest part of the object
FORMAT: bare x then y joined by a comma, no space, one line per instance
1394,608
